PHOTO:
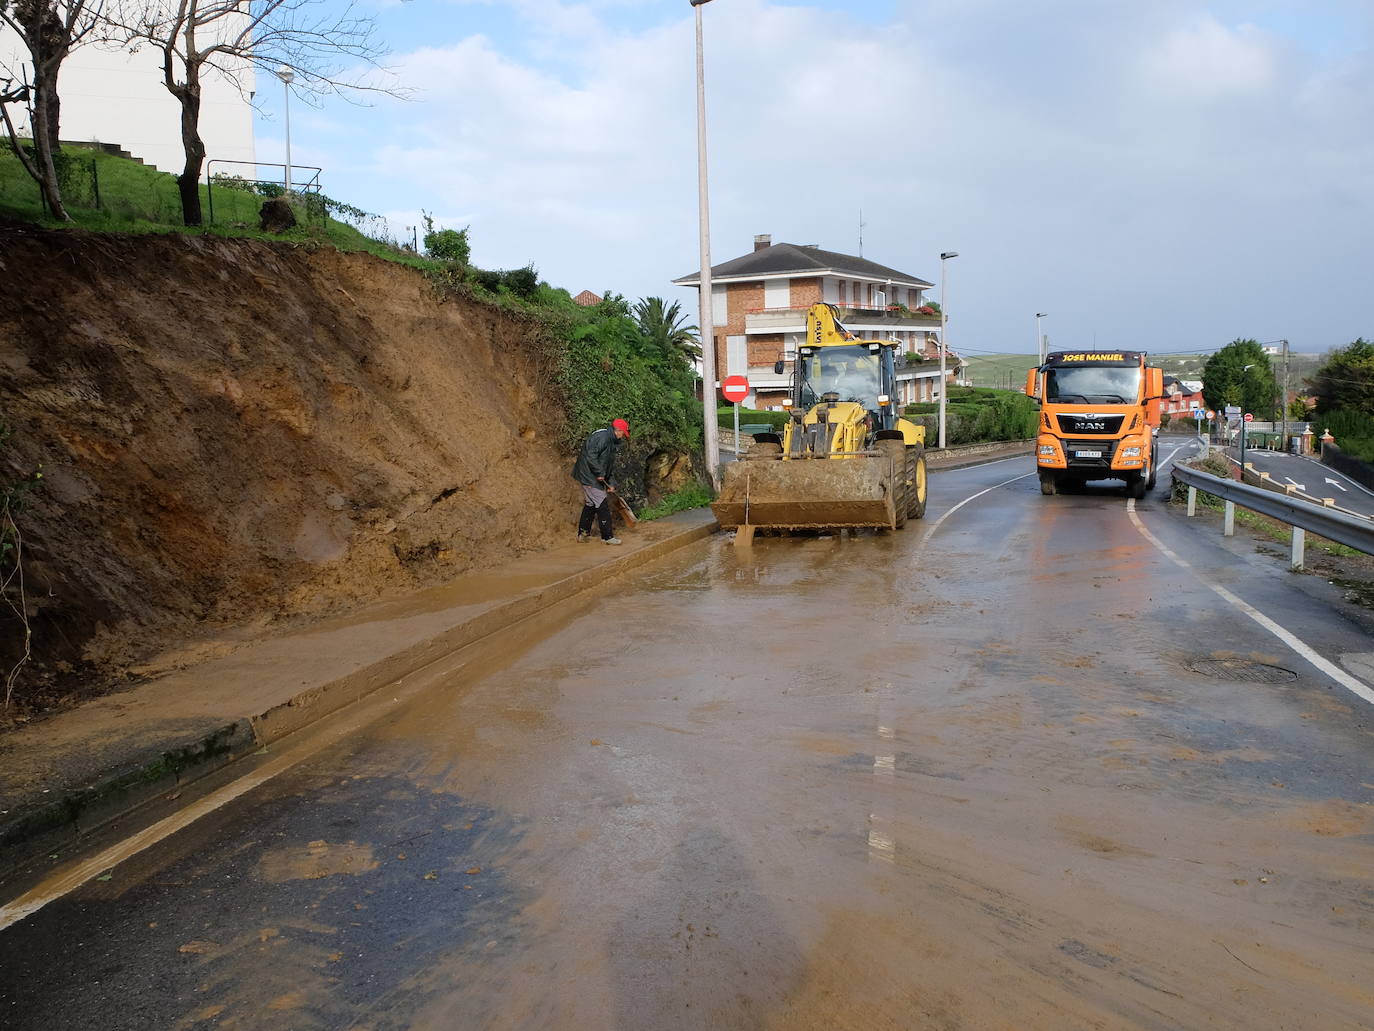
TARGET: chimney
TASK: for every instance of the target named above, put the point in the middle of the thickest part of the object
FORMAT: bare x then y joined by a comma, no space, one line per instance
762,241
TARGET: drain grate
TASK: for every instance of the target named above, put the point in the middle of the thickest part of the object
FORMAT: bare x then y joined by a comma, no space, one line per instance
1243,670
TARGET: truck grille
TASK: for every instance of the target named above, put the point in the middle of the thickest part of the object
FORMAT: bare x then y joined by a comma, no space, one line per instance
1106,447
1087,423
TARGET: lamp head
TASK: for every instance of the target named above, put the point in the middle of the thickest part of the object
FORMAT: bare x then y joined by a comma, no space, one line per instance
949,254
1041,314
285,74
698,3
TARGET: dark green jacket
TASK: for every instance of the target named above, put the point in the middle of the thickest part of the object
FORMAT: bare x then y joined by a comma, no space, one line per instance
594,464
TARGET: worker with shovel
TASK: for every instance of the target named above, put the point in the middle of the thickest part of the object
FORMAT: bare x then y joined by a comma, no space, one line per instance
593,472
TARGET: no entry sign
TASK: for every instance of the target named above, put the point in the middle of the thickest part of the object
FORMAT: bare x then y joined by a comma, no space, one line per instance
735,388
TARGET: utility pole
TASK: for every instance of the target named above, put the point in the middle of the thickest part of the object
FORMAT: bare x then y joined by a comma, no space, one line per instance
710,433
1284,398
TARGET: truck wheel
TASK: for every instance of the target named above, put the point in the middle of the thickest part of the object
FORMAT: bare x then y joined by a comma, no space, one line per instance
1150,483
1135,486
1047,484
916,473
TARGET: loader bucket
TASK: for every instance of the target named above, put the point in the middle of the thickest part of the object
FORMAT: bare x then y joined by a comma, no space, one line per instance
801,494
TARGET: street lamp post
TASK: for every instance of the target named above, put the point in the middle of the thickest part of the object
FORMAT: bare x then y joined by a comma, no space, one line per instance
944,340
1242,419
708,334
286,75
1040,337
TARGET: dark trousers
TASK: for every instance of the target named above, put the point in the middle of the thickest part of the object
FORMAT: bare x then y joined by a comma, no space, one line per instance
601,513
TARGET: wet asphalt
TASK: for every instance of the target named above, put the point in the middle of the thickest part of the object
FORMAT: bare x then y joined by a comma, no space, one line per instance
1011,767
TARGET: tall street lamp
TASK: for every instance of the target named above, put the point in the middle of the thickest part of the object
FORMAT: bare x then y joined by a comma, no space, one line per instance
707,321
1040,337
944,340
286,75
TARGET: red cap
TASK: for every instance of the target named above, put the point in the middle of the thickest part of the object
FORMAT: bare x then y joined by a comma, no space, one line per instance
622,426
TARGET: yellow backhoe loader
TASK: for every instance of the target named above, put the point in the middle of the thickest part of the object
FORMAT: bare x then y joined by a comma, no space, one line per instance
845,458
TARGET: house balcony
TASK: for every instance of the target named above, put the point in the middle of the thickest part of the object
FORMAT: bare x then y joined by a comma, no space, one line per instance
874,321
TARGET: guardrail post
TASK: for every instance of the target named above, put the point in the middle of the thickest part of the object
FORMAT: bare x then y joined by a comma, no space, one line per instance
1229,526
1192,502
1295,553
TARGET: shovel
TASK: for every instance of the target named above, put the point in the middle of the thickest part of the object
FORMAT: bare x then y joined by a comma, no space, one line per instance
622,509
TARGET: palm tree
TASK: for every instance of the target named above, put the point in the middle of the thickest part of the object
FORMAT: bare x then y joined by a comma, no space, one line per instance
661,326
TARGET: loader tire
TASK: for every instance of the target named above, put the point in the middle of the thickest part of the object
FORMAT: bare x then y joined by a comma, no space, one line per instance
1047,484
916,474
895,450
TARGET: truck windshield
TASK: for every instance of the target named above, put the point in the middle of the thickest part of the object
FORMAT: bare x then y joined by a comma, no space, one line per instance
850,372
1093,385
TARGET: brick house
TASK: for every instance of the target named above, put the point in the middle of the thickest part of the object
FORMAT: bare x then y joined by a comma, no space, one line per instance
760,299
1181,398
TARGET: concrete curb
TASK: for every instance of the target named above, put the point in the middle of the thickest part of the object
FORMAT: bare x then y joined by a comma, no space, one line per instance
67,812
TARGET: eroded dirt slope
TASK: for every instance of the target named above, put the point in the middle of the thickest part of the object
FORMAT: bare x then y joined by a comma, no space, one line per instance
233,432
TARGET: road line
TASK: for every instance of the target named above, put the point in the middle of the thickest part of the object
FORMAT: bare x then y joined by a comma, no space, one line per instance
68,878
939,522
1355,686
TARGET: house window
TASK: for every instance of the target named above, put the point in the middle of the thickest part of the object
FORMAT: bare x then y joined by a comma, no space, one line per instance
736,355
777,293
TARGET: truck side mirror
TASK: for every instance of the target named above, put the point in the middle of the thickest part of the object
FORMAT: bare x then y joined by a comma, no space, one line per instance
778,367
1030,382
1154,383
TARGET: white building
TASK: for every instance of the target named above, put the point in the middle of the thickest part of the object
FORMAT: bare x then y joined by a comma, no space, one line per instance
114,97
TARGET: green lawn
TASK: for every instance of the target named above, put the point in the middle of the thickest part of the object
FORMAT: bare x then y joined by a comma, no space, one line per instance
106,193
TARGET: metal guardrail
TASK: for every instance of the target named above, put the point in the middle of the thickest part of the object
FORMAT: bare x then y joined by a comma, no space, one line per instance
1342,527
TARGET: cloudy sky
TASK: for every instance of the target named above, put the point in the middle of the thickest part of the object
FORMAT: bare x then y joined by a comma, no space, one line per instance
1166,176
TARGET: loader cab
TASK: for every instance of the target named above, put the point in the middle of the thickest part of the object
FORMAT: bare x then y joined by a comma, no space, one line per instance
863,372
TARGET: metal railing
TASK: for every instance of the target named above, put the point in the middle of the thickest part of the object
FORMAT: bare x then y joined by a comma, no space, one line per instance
1354,531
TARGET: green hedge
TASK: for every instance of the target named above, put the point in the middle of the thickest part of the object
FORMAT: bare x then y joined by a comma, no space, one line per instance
725,417
977,415
1354,431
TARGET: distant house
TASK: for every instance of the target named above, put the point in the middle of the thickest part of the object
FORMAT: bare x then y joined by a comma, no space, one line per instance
1181,398
759,304
587,299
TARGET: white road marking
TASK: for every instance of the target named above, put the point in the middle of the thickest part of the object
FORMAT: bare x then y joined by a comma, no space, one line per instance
1336,483
68,878
1301,486
974,497
1353,685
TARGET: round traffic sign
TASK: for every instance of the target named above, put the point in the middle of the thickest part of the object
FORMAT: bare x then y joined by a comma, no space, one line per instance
1211,414
1249,417
735,388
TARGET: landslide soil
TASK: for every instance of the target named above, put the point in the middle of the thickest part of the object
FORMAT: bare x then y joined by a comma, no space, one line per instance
236,434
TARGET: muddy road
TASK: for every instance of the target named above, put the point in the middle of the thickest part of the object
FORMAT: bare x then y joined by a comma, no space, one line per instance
1017,767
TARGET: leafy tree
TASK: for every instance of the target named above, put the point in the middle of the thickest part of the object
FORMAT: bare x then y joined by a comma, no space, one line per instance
228,37
49,31
1345,380
664,332
1240,374
447,244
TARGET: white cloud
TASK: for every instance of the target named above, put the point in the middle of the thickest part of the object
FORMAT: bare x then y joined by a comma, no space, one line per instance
1104,162
1204,57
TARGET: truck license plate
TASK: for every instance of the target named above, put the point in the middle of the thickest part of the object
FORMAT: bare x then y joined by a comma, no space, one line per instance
1087,454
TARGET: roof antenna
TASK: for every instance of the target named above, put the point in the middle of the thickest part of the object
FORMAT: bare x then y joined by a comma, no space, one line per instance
862,223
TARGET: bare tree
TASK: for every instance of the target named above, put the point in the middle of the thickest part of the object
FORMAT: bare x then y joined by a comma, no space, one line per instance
49,30
230,37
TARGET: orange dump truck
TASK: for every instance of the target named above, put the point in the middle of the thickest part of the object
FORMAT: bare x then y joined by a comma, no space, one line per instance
1099,413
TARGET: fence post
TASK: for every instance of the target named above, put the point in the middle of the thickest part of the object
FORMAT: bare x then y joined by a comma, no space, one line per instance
1228,528
95,182
210,193
1295,553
